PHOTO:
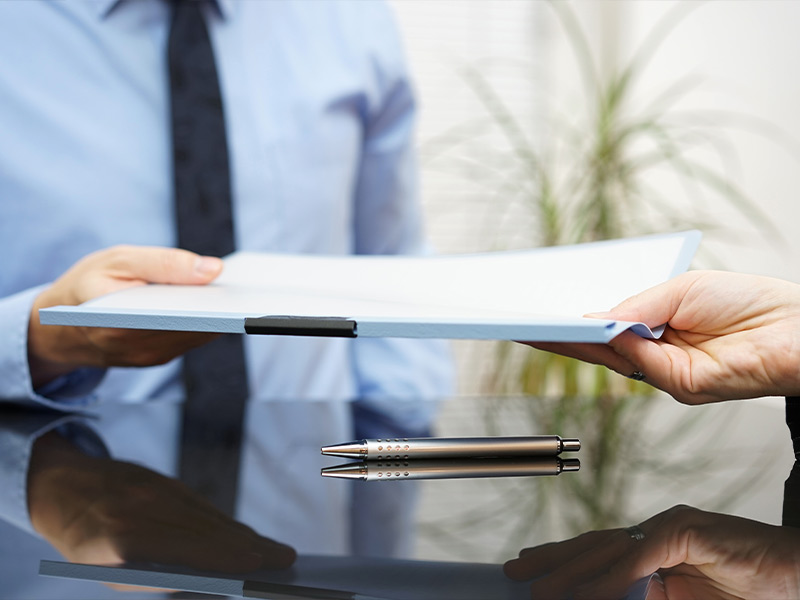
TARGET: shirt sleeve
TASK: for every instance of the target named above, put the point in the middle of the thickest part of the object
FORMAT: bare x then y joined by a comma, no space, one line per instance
18,433
388,220
70,391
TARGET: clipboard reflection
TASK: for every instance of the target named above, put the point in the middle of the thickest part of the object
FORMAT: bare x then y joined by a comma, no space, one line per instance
401,470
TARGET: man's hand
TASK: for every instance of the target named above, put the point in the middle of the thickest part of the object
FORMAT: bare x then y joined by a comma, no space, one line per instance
56,350
698,554
728,336
103,511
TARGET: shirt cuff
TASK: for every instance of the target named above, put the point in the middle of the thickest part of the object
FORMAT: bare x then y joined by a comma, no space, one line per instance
70,391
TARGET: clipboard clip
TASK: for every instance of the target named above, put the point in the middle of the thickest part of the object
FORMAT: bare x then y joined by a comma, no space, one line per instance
301,326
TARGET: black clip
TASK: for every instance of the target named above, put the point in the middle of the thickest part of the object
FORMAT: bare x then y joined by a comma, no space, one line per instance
302,326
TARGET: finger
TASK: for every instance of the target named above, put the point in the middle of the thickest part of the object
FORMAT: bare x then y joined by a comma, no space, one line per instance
583,567
275,555
210,532
548,557
666,545
217,531
614,584
170,504
657,305
154,502
219,549
598,354
138,347
163,265
667,364
174,547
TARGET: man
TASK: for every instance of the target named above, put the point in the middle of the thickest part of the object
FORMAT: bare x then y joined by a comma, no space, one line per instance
319,127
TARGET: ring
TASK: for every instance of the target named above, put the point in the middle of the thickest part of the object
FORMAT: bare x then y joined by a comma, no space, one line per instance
636,376
635,532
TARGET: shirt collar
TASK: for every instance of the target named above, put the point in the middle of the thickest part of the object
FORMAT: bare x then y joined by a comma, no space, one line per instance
105,7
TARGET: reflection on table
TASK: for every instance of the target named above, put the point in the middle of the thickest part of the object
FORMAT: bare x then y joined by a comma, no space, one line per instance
101,501
464,468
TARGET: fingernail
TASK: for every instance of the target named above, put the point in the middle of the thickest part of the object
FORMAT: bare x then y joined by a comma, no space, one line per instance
207,265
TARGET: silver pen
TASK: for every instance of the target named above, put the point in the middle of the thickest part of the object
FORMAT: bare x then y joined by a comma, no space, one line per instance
462,447
394,470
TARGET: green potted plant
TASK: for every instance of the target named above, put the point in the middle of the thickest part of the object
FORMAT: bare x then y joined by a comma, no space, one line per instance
591,179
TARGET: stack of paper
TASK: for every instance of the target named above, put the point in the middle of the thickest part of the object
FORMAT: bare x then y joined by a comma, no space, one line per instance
538,295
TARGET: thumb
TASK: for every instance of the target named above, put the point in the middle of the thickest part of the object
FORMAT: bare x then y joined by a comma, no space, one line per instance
655,306
164,265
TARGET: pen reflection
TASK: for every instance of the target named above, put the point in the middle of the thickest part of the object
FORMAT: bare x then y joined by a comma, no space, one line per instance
394,470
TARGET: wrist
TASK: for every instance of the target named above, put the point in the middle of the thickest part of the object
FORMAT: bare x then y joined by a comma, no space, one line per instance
54,470
43,362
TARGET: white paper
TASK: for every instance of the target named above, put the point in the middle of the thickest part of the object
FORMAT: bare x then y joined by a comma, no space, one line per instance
502,295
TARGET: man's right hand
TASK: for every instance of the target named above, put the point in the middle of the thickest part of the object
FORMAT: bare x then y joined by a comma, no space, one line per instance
56,350
105,511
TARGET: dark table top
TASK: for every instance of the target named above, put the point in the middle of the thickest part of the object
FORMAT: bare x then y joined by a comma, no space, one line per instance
636,461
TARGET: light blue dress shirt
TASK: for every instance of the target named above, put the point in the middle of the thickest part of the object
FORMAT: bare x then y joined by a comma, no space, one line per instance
319,113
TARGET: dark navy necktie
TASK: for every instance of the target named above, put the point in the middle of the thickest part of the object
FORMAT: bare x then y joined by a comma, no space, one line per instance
214,375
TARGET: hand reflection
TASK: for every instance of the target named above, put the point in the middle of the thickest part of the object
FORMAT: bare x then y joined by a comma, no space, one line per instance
698,554
98,510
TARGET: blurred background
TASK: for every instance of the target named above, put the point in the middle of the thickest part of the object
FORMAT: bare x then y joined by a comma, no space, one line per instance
560,122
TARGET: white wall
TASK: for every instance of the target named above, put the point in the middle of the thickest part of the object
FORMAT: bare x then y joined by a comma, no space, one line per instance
747,54
500,41
742,52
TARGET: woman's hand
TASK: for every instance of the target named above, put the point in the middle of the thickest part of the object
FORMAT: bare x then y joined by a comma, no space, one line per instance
728,336
698,554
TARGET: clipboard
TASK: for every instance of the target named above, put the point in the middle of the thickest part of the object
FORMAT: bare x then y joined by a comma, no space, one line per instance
535,295
329,578
317,578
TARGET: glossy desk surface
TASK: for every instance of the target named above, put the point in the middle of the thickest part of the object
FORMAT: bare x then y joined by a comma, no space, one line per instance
729,458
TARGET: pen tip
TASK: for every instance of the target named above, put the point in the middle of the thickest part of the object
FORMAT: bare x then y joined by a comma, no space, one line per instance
347,471
349,450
